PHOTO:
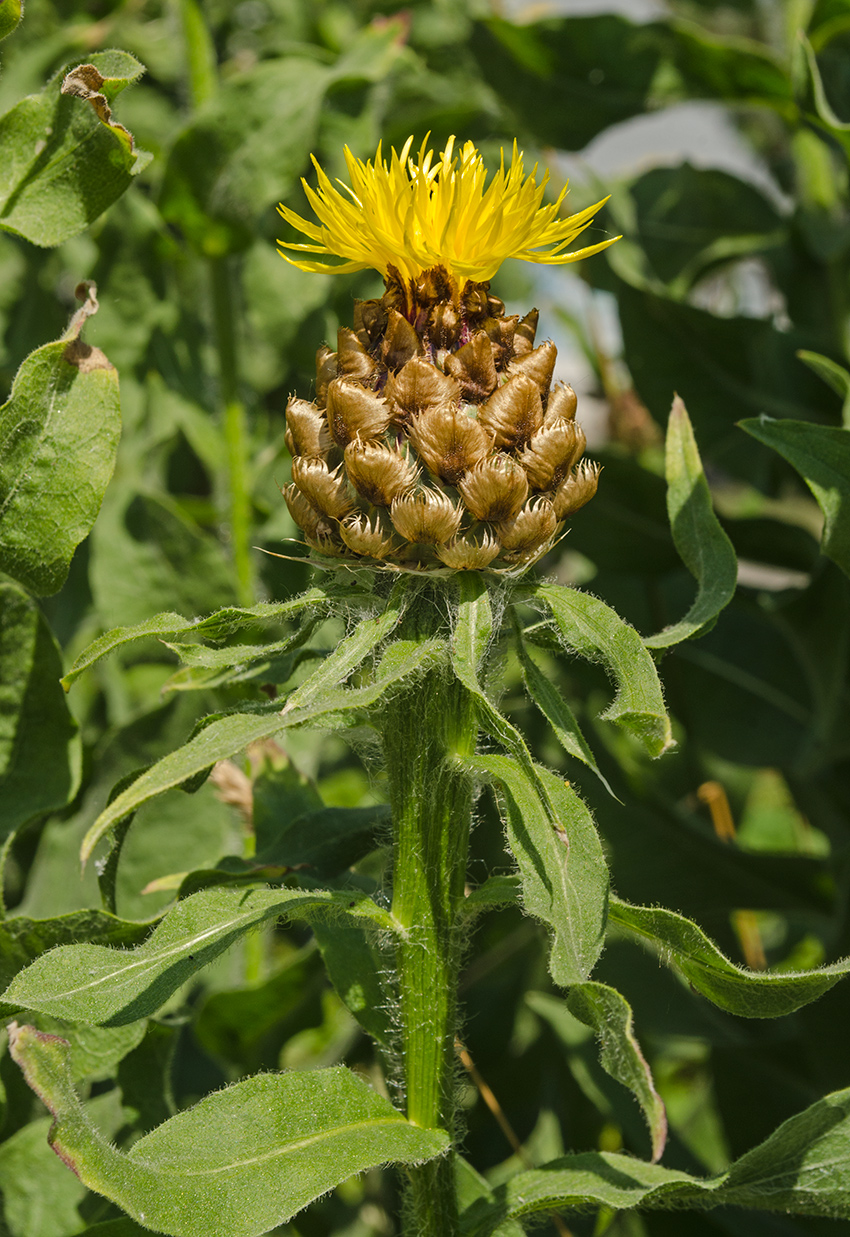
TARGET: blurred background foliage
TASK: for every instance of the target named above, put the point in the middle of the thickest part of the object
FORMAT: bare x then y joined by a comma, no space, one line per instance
723,278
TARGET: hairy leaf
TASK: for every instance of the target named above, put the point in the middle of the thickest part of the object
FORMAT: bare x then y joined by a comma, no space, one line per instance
251,1156
59,434
590,628
10,14
48,137
821,455
705,549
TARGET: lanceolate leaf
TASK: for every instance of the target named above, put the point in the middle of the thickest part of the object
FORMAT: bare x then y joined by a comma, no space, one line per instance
557,712
22,939
821,455
48,138
563,872
111,987
251,1156
40,752
593,630
750,994
703,546
59,435
803,1167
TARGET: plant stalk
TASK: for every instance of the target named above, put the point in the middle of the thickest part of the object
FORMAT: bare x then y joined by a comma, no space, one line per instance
427,732
235,425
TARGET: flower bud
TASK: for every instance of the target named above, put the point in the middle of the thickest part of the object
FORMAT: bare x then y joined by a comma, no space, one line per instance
514,412
327,491
576,490
400,341
551,453
494,489
449,442
467,554
561,404
531,529
538,364
353,411
352,358
365,536
326,371
474,368
307,430
419,385
427,516
379,473
325,543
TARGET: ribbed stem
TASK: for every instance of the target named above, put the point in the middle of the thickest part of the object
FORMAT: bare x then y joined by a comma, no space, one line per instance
425,730
235,424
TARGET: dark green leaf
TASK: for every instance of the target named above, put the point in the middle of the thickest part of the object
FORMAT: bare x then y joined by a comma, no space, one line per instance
590,628
360,969
833,374
40,753
103,986
59,435
704,547
821,455
48,137
251,1156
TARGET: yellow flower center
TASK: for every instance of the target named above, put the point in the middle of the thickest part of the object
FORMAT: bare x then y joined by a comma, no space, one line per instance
417,215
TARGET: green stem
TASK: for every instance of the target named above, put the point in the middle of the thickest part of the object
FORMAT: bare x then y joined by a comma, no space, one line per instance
235,425
201,61
427,731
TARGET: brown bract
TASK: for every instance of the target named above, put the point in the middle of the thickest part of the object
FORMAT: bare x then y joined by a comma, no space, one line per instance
437,440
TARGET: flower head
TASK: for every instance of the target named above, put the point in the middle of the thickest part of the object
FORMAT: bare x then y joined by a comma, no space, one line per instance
414,216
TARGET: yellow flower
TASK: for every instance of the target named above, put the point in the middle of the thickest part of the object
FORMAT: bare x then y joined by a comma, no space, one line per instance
416,216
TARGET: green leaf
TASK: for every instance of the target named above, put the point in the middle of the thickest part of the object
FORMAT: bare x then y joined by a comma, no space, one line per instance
111,987
821,455
733,69
59,434
557,712
22,939
10,15
562,867
833,374
361,971
40,753
328,840
609,1015
801,1168
705,549
593,630
251,1156
749,994
170,626
48,138
474,1191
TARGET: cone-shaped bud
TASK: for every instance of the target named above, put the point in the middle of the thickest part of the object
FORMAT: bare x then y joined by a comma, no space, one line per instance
467,554
417,386
303,513
538,364
353,411
327,491
379,473
400,341
513,413
449,442
365,536
561,404
325,372
494,489
576,490
551,453
474,368
352,358
427,516
531,529
525,333
307,430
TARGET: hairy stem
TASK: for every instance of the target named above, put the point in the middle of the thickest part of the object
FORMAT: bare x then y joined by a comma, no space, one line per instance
235,424
426,730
